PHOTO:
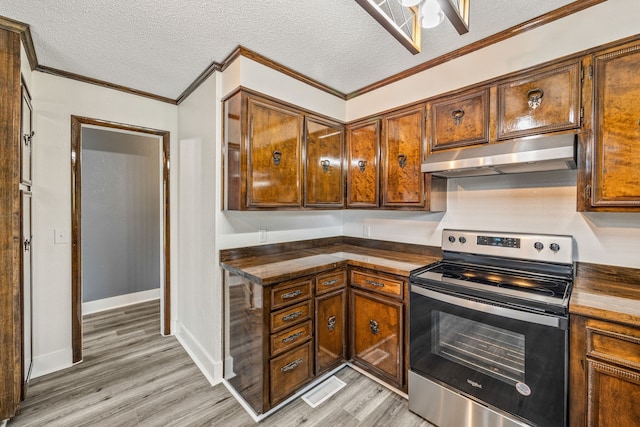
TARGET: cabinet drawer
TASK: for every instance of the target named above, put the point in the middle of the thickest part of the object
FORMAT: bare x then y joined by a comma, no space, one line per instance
289,338
377,283
290,316
613,343
289,371
544,101
290,292
460,121
330,281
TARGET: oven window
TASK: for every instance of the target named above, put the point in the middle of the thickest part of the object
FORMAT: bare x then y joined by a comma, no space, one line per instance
494,351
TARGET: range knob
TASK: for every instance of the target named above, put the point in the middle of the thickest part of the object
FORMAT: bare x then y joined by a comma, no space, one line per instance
538,245
554,247
462,239
452,239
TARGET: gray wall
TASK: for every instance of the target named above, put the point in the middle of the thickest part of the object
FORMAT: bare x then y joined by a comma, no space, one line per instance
121,249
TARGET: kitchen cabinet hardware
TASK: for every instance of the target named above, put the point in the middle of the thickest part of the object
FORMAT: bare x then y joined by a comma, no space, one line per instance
402,160
362,165
457,116
277,155
374,283
331,323
292,365
27,245
291,294
373,325
326,164
292,316
292,337
534,97
330,282
27,137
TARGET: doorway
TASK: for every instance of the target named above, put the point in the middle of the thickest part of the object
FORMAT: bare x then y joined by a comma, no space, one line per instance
81,127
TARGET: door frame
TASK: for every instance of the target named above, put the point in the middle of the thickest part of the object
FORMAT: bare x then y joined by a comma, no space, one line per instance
76,230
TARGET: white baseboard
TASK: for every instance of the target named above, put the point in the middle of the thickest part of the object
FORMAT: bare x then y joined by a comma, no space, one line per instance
210,368
96,306
52,362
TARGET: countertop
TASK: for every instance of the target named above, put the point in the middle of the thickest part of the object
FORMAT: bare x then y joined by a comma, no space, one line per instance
607,292
269,269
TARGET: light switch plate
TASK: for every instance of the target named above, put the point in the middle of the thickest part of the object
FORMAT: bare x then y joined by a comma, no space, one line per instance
60,236
262,236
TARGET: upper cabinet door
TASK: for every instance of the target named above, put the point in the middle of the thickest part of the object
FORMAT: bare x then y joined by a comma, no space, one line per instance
459,121
26,138
324,178
402,156
274,155
363,150
546,100
616,128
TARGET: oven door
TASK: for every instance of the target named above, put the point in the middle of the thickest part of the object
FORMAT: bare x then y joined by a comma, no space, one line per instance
513,360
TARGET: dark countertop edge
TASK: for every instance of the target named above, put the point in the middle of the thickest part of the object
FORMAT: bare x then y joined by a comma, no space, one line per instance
294,274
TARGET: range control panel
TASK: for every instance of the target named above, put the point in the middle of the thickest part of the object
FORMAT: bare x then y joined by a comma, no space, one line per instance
536,247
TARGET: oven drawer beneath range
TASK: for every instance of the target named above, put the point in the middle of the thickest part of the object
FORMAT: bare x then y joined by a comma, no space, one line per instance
434,403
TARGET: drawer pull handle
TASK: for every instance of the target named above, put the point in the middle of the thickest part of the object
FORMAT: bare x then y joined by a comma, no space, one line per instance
362,165
292,337
292,316
277,155
457,116
402,160
374,283
292,294
292,365
534,97
331,324
326,164
329,282
373,325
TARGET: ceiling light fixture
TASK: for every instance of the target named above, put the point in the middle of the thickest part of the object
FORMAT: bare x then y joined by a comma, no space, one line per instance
403,18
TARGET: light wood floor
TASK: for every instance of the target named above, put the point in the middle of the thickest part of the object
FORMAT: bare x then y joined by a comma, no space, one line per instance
132,376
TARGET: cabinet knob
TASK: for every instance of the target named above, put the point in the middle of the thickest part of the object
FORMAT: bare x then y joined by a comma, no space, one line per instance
331,324
362,164
402,160
534,97
457,116
277,155
373,325
325,165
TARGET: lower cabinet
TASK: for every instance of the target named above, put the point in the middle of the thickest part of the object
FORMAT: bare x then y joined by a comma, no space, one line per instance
605,374
377,323
331,330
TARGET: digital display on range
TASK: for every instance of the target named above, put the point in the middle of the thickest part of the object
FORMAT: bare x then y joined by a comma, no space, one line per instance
503,242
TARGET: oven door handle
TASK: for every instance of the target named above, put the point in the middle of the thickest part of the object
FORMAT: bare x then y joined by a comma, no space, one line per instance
525,316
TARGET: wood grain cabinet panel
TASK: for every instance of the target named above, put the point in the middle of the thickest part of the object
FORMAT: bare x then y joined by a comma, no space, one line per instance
403,183
377,283
616,129
363,152
331,281
459,121
377,335
324,153
274,155
292,337
290,292
290,371
330,330
605,374
542,101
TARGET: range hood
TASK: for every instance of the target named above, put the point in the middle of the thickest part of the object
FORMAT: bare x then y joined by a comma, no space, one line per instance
541,153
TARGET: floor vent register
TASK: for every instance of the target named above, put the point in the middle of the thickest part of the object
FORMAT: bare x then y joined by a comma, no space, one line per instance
323,391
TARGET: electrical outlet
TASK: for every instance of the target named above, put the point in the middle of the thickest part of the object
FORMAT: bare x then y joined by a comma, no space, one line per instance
262,236
366,231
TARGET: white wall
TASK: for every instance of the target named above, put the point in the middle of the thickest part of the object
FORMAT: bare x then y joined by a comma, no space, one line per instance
121,213
55,99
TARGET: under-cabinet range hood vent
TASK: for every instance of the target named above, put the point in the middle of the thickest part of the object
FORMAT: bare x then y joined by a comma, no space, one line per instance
542,153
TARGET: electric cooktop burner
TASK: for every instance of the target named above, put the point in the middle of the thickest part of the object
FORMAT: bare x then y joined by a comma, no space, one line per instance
528,270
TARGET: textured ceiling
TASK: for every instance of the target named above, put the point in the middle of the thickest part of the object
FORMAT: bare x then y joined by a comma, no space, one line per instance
162,46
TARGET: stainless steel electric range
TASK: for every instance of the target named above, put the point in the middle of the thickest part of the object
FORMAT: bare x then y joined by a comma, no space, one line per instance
489,331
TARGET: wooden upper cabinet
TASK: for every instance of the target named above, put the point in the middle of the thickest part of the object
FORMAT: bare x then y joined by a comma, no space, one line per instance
274,155
402,156
544,100
616,129
459,121
363,151
324,177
